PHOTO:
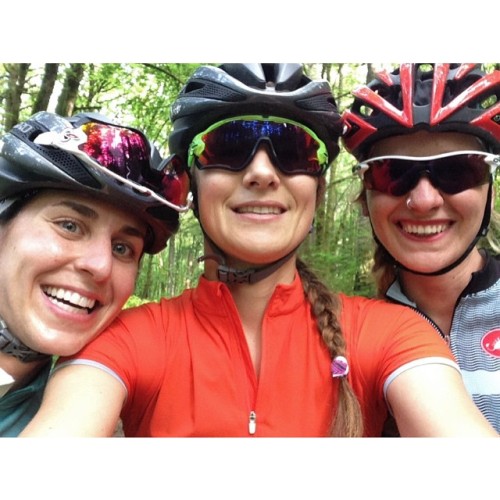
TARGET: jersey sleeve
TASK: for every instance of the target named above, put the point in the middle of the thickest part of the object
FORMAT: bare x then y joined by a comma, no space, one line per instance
122,348
386,339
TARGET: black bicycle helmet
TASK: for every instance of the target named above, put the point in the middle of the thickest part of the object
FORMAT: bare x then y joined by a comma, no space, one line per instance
26,166
436,97
230,90
215,93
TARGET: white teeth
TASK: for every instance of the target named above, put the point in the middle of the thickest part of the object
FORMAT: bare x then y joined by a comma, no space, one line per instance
71,299
259,210
424,230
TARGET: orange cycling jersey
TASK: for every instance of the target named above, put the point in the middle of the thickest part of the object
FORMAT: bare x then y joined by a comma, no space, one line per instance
187,368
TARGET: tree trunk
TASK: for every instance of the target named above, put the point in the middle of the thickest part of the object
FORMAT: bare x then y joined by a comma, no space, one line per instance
15,89
46,88
370,73
67,99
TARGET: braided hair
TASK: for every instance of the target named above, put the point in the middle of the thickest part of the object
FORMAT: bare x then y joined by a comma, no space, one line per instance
347,420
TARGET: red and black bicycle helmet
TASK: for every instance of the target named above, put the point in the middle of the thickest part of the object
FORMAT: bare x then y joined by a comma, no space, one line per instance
436,97
26,166
215,93
446,97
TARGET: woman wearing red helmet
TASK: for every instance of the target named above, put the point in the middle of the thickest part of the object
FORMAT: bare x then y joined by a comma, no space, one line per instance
427,139
260,347
81,200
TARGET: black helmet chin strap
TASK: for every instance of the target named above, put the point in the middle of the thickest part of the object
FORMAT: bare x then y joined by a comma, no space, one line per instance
11,345
231,275
439,272
483,231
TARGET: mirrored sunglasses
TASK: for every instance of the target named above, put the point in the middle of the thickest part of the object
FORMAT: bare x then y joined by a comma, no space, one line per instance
124,154
231,144
451,173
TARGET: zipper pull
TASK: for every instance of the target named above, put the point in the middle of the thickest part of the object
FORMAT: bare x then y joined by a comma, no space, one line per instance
252,422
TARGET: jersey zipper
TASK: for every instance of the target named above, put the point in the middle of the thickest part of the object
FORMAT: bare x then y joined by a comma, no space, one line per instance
429,320
252,423
445,336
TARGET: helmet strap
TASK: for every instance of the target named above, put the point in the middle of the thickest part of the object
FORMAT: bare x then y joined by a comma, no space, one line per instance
9,344
230,275
252,275
444,270
483,230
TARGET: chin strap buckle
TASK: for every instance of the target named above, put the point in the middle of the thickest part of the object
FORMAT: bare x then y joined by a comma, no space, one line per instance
14,347
230,275
227,274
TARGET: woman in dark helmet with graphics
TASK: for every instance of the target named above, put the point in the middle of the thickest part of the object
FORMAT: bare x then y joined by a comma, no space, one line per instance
260,347
428,142
81,200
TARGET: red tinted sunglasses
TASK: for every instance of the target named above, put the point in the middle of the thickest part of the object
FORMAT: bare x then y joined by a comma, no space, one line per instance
124,154
451,173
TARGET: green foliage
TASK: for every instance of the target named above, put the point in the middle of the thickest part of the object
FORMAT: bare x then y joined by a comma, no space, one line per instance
140,94
135,301
175,268
137,94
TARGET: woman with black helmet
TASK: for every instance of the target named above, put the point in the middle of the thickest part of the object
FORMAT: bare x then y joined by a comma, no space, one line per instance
260,347
428,141
80,201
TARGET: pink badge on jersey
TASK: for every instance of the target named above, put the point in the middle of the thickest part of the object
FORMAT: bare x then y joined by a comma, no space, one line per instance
491,342
340,367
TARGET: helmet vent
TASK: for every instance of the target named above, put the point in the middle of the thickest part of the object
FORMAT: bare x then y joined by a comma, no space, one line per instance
489,102
365,110
318,103
210,91
68,164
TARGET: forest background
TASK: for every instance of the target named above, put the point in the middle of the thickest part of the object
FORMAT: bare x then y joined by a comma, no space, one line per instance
140,95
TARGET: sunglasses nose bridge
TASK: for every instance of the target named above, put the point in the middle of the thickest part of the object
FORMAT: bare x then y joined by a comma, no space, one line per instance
416,176
417,172
425,172
265,141
411,179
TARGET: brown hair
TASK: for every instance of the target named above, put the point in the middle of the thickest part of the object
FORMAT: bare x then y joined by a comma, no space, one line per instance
13,205
347,420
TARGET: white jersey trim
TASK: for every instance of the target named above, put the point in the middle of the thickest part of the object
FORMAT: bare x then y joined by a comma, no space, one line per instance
94,364
435,360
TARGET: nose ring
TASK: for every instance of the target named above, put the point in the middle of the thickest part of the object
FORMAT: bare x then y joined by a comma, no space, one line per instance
408,202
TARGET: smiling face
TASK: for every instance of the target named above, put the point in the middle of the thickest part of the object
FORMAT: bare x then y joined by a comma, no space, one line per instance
258,215
436,228
69,263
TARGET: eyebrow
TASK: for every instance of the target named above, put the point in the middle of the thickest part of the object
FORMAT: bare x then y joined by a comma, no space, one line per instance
78,207
90,213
